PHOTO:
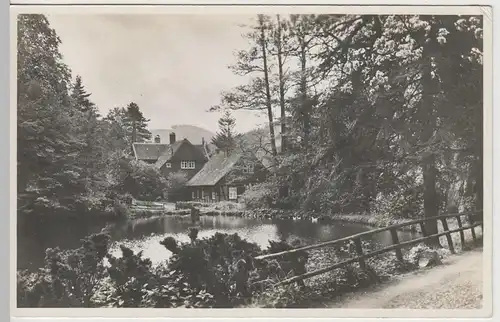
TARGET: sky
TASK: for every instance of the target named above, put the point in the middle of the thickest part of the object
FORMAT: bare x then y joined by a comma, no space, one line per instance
173,66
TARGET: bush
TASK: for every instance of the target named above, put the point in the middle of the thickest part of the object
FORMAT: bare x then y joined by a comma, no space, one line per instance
176,186
219,265
141,180
135,283
262,195
406,203
69,278
218,271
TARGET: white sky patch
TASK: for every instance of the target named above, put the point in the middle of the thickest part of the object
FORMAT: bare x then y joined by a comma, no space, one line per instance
173,66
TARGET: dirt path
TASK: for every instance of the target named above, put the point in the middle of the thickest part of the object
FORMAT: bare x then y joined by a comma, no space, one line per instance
456,284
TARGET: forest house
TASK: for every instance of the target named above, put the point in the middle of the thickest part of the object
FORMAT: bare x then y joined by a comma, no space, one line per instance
226,176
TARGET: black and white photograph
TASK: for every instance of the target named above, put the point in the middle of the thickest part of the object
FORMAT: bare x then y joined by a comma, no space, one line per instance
315,159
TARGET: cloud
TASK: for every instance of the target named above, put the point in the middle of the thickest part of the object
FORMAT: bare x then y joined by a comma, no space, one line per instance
173,66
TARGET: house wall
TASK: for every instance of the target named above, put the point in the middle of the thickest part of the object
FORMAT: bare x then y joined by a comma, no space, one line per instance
187,152
204,194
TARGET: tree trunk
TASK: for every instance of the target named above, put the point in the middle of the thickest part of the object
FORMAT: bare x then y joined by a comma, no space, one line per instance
431,205
267,85
279,45
134,132
283,191
305,108
430,198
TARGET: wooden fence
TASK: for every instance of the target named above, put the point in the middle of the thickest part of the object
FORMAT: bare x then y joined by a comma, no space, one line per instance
395,246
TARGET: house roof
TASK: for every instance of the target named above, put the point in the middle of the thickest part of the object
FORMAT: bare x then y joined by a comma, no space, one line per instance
159,152
149,151
218,166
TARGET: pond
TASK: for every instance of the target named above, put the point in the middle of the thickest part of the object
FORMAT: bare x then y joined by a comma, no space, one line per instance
146,234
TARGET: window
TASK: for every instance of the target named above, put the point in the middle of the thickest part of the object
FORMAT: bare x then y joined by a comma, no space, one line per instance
248,168
188,164
168,165
214,195
202,194
233,195
193,195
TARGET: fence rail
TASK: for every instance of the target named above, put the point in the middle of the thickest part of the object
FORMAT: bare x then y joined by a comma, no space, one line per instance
396,244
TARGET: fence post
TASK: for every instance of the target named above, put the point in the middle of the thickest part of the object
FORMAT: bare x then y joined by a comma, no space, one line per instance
359,250
448,235
395,241
472,229
462,237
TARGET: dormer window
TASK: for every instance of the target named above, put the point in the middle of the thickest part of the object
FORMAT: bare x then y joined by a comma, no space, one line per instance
188,165
248,168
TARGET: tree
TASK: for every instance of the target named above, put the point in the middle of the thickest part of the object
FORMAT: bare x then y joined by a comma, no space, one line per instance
138,124
257,95
302,32
126,126
80,98
118,134
226,138
280,47
176,186
48,172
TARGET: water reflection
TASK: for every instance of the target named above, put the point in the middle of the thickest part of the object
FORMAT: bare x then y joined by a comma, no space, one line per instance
145,234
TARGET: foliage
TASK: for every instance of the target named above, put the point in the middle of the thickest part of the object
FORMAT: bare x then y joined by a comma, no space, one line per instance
255,62
69,278
261,195
226,138
381,110
141,180
176,186
211,272
137,124
80,97
67,155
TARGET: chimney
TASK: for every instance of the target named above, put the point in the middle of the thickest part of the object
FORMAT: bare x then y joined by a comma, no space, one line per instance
157,139
172,138
203,141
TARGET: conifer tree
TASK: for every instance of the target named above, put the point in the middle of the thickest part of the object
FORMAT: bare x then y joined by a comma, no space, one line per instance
225,138
80,97
137,123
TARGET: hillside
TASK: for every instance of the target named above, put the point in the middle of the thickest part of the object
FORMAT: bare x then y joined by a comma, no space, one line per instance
193,133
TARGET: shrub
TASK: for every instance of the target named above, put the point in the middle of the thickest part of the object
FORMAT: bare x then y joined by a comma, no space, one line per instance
69,278
141,180
218,265
176,186
135,283
262,195
405,203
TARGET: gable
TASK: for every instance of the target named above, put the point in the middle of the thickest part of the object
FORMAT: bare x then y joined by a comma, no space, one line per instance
181,150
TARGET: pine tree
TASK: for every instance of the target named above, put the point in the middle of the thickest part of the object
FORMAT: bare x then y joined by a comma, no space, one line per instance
256,62
138,124
225,138
80,98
